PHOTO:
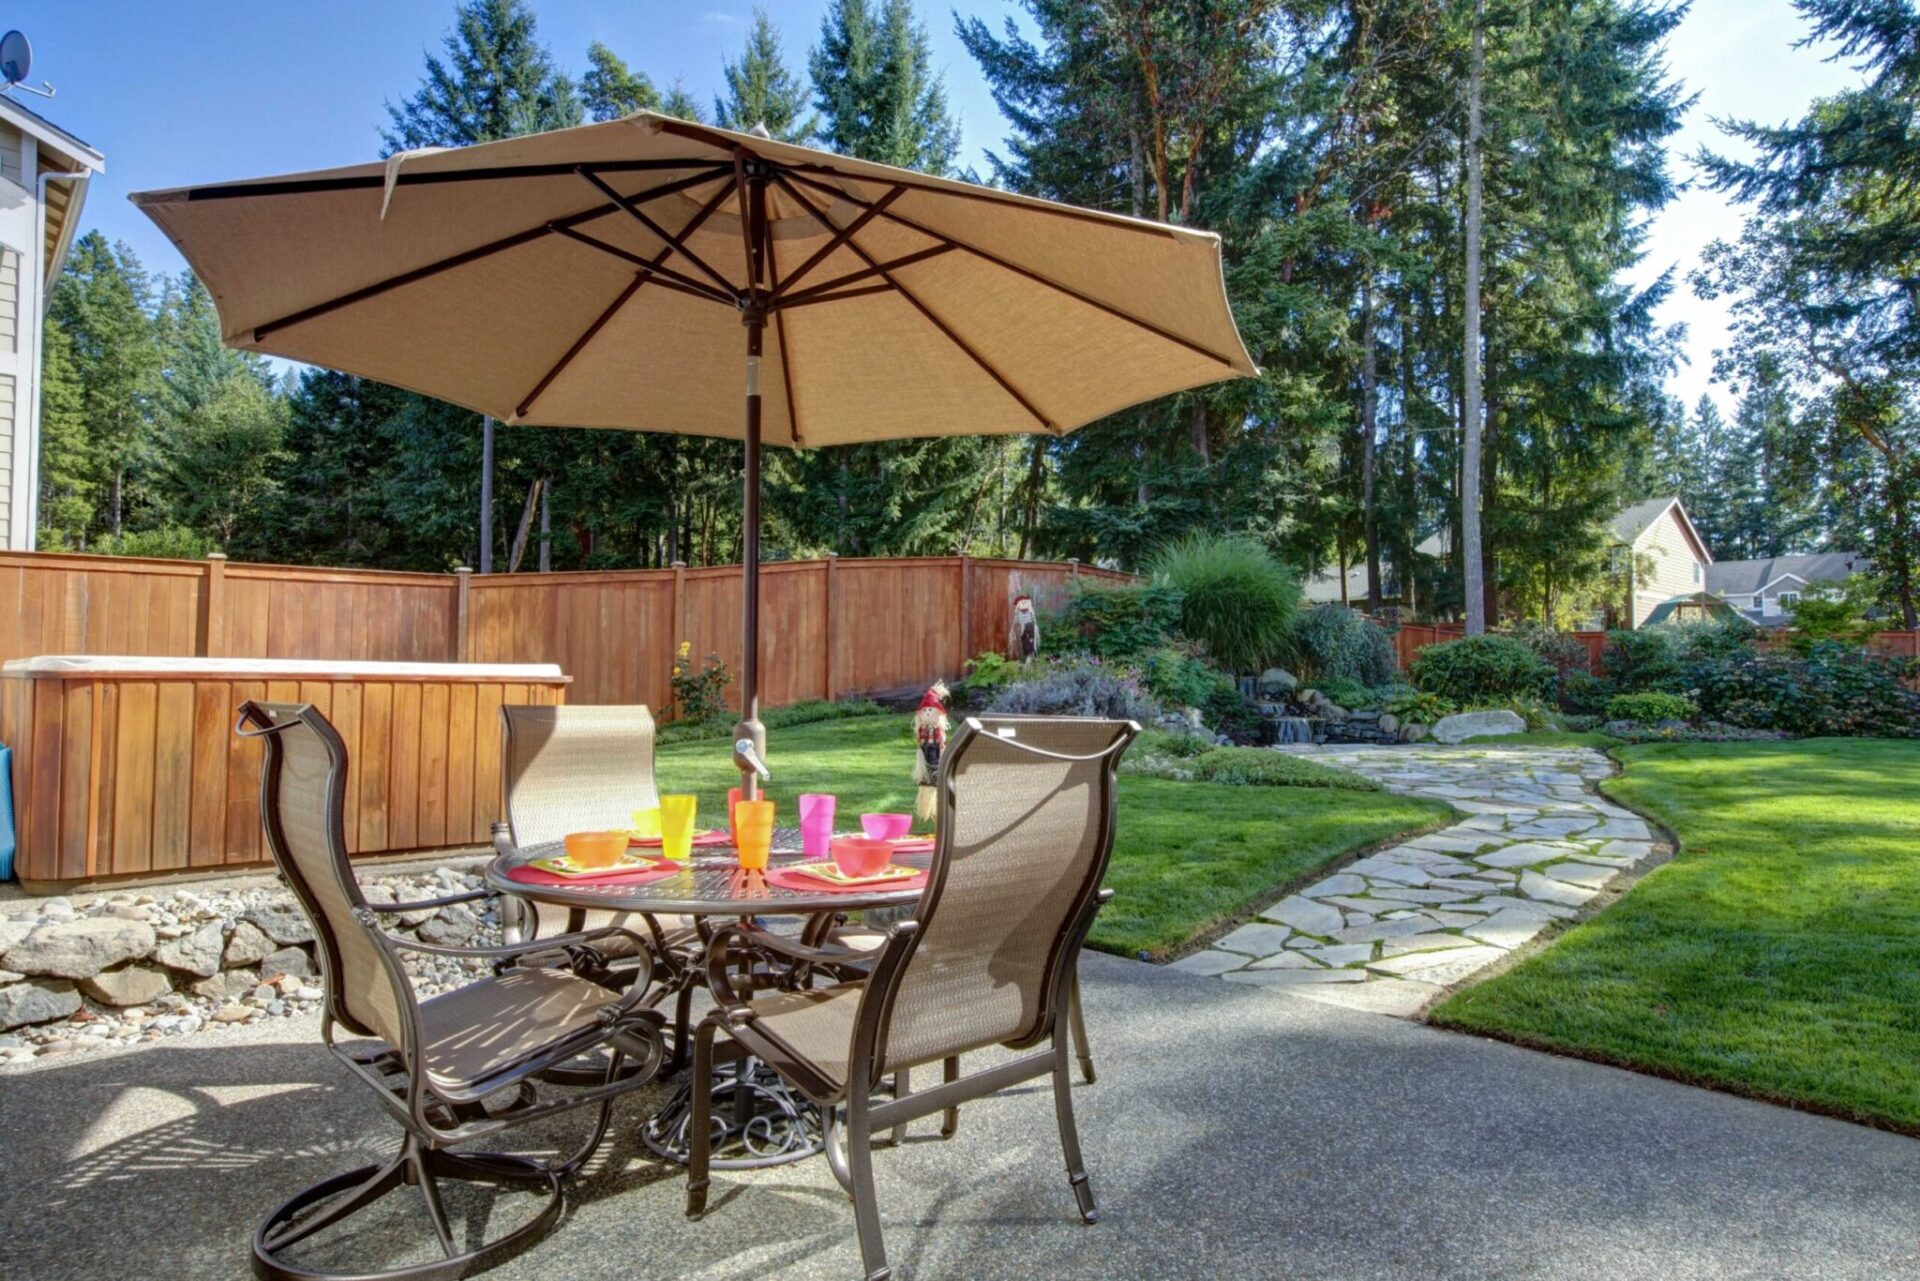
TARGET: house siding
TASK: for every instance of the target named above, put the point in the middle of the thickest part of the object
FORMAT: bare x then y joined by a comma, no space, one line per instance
1664,566
6,461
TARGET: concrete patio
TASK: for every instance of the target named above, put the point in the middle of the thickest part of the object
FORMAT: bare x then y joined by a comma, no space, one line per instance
1235,1132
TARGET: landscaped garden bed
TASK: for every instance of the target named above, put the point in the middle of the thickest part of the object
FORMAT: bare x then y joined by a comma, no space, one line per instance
1774,956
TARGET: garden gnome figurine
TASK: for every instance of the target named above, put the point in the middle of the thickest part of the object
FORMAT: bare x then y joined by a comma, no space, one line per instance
930,736
1023,636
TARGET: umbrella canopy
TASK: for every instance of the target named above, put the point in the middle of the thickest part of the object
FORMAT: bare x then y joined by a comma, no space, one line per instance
596,277
615,275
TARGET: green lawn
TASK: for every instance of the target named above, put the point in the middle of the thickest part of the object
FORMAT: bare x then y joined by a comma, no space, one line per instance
1549,738
1778,955
1187,857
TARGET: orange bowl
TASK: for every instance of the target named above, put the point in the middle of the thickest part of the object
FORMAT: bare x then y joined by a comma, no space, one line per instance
596,849
861,856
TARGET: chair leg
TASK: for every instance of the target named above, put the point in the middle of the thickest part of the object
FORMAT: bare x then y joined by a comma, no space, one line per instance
700,1124
902,1083
421,1172
950,1119
1069,1135
1079,1020
866,1209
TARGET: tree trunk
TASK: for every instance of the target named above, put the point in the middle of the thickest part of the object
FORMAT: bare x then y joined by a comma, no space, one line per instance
546,526
1369,414
119,477
1475,585
1197,430
524,529
1036,482
486,494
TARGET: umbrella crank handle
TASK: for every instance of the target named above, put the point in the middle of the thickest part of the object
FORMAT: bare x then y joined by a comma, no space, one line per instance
746,752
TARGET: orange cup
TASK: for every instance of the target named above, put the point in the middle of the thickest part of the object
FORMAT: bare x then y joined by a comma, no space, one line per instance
595,849
753,833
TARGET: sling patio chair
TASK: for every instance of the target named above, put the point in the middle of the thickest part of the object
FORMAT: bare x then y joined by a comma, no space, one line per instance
452,1069
1026,818
579,769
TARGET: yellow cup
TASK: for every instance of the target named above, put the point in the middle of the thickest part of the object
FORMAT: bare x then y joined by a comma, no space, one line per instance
676,825
753,833
646,822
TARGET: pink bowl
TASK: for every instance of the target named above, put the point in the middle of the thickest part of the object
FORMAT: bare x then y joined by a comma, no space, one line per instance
886,827
861,856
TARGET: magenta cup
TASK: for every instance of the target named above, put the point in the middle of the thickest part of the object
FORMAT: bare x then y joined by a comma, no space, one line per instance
816,823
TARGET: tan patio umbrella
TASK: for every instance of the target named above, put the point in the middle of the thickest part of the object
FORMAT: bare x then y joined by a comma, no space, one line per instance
614,275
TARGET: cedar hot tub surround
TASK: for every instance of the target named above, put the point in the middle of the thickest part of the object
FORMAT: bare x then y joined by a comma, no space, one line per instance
129,766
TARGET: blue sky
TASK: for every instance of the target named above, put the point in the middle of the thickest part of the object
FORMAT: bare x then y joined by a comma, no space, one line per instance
217,89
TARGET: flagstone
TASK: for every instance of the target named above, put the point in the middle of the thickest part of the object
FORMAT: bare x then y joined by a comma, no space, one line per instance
1434,942
1590,875
1286,961
1536,886
1634,850
1340,883
1524,854
1256,938
1209,963
1508,927
1289,978
1303,914
1343,954
1438,967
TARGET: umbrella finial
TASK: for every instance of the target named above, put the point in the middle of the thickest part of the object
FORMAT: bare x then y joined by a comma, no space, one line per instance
760,131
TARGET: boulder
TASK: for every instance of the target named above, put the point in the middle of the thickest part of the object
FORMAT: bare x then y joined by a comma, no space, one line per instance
227,985
1277,680
1464,725
451,927
247,945
197,953
12,932
81,948
1389,723
288,960
1411,733
128,985
283,923
36,1002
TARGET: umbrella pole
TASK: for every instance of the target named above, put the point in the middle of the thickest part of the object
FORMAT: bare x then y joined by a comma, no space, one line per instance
750,727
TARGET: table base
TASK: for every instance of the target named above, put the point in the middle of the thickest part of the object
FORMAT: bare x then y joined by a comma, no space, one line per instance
758,1120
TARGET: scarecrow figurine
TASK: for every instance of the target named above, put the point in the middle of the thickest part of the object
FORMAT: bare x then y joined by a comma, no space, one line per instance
1023,636
930,736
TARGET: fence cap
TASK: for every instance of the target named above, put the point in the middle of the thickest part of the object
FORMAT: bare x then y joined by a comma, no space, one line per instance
122,664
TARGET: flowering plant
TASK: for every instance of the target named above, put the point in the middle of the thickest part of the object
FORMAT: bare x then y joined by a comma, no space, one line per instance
699,694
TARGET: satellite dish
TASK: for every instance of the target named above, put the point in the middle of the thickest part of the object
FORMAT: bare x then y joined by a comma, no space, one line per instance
16,58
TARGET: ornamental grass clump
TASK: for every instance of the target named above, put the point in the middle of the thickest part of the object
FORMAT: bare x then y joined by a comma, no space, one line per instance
1237,600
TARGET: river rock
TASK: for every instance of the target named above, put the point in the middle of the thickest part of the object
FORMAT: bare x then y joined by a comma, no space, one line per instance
1278,680
129,985
248,945
282,923
81,948
1389,723
198,953
1464,725
451,927
36,1001
288,960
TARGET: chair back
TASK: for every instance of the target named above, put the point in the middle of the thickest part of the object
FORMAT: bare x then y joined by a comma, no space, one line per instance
303,782
575,769
1026,813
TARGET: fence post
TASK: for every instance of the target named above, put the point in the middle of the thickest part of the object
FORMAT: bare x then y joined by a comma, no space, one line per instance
462,633
966,611
826,629
213,608
1073,567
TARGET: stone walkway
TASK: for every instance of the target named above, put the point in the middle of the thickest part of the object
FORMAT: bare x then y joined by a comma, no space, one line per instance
1391,931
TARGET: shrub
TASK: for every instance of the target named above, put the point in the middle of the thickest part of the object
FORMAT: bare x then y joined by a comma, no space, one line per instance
1175,743
1477,669
1085,688
1230,712
1659,658
1566,655
1177,679
1351,694
1418,707
1236,599
1120,622
699,694
1332,642
1832,689
1583,693
1650,707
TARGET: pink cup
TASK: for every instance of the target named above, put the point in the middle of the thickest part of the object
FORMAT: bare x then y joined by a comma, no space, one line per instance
816,823
886,827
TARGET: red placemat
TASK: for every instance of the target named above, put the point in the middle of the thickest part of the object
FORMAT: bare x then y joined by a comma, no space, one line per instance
913,845
526,874
705,838
796,878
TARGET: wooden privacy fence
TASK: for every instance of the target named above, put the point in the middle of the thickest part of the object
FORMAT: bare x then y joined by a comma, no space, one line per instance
1411,638
830,628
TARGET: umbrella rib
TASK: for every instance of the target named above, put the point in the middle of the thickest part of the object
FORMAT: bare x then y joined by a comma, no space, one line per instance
363,182
1034,276
839,238
780,337
674,243
462,259
879,269
863,291
593,330
667,277
921,307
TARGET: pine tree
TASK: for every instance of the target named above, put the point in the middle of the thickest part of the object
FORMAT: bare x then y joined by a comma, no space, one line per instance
66,482
611,90
496,80
878,96
762,90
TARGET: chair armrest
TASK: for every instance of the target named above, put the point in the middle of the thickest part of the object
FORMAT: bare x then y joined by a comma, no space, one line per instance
578,947
730,1000
465,896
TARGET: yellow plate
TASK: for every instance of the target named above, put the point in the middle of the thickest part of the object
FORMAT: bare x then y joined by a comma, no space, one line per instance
828,872
565,866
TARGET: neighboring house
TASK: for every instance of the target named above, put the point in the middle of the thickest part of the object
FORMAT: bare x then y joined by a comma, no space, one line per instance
44,172
1765,591
1323,588
1659,556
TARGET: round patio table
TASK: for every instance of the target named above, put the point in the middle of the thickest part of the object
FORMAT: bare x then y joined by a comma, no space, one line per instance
758,1119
